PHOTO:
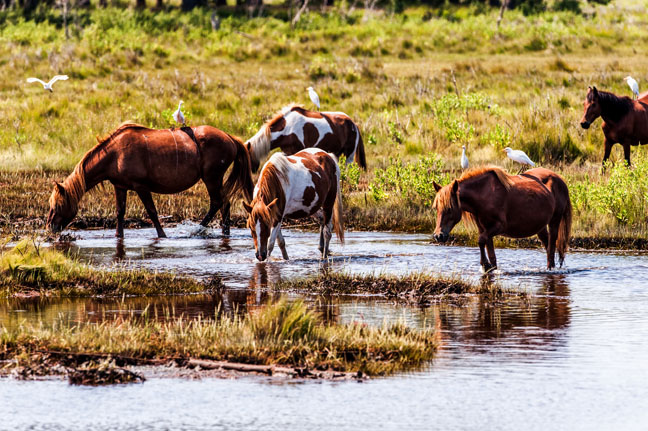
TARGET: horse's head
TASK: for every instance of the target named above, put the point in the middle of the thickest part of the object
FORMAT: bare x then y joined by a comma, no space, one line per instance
62,209
592,108
261,220
448,210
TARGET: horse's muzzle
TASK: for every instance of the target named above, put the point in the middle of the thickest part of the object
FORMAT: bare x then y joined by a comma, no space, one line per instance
441,237
585,124
54,228
261,256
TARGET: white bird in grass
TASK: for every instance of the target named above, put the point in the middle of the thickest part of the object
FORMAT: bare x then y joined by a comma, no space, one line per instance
314,97
634,86
48,85
519,156
464,159
177,115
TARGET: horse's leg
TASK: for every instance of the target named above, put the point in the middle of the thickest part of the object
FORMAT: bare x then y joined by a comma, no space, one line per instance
551,251
608,149
276,230
214,185
326,227
483,260
320,218
120,203
282,245
626,152
225,218
543,235
491,253
147,200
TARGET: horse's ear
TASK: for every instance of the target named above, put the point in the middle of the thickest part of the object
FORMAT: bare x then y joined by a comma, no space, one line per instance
455,187
436,186
247,207
274,201
595,91
59,187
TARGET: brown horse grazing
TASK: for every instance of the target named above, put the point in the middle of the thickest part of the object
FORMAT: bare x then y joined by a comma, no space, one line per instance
294,128
624,120
294,187
515,206
147,161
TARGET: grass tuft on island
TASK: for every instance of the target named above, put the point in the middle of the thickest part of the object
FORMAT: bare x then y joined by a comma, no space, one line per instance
414,287
286,334
29,269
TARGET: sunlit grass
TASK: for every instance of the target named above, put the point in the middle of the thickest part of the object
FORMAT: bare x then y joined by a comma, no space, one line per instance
285,333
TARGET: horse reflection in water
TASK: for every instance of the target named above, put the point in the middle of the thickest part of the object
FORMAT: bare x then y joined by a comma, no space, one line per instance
480,322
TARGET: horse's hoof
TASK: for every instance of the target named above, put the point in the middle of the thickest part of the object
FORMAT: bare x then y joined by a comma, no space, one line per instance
226,230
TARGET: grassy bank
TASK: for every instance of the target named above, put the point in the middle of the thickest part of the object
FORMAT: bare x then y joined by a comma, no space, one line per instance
420,84
285,333
28,269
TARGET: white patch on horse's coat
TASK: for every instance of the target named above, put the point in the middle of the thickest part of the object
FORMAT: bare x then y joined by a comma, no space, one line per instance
295,123
258,230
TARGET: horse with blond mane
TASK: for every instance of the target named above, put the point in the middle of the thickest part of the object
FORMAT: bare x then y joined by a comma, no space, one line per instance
134,157
294,187
533,203
295,128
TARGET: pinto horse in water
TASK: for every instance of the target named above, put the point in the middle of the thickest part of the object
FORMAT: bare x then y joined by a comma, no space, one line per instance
294,128
134,157
295,187
515,206
625,120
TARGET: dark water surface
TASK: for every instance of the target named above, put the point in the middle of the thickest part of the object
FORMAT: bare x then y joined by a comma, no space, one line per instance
574,357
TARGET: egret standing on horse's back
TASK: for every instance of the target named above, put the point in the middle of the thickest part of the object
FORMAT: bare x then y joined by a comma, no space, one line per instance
634,86
313,97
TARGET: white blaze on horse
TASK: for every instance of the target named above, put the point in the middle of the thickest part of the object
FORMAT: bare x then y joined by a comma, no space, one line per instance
295,128
297,186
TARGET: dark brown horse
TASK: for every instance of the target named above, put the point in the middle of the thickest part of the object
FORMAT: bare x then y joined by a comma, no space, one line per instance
147,161
295,128
625,121
515,206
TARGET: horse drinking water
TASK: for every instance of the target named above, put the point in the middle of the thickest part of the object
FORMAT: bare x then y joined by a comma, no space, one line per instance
295,187
295,128
515,206
625,121
134,157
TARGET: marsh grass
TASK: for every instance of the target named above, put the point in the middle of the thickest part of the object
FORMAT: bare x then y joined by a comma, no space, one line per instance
284,333
420,288
420,84
28,268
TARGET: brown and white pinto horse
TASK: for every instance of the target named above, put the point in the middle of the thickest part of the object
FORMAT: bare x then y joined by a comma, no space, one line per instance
134,157
515,206
295,128
295,187
624,120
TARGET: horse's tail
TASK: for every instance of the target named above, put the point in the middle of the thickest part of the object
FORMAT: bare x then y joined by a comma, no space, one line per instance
240,178
564,231
360,151
338,217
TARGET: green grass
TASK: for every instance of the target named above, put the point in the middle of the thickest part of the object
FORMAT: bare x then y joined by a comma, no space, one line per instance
29,269
285,333
420,85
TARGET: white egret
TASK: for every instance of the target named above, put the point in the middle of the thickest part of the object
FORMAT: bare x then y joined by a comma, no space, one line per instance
177,115
314,97
464,159
48,85
634,86
519,156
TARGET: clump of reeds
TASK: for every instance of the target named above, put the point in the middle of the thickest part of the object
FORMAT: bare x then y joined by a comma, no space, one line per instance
284,333
29,267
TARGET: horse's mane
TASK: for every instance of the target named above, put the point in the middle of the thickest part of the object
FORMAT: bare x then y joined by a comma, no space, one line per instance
273,177
503,177
260,143
444,200
122,127
616,107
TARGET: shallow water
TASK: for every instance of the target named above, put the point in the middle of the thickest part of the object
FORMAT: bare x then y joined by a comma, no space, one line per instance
575,358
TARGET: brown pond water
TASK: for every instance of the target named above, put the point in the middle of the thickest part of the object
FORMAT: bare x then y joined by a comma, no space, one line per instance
576,357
